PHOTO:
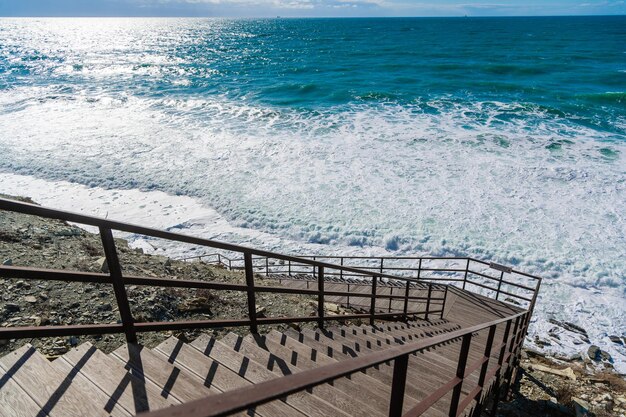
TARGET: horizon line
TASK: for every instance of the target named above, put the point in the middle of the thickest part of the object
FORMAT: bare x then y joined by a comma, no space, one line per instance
303,17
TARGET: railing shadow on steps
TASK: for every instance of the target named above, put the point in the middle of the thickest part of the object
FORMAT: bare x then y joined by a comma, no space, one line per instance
434,301
492,378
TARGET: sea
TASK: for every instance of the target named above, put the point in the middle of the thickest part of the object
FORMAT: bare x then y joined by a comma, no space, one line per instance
497,138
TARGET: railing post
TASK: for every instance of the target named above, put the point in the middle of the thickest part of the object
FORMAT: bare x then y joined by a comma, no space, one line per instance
445,297
348,301
390,297
290,267
483,370
406,299
247,258
381,265
500,284
373,302
430,292
398,385
341,270
267,266
313,266
460,373
419,269
466,272
320,297
507,374
496,395
115,271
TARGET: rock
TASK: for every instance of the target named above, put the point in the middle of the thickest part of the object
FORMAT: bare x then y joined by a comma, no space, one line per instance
73,341
37,246
101,264
7,262
168,262
581,408
105,307
4,342
43,296
597,354
260,311
332,307
11,308
194,304
616,339
30,299
567,372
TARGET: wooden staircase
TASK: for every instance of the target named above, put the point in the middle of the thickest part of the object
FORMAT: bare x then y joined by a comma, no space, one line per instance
87,382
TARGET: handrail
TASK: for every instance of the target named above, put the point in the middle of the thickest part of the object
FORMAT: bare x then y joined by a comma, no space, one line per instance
33,209
255,395
467,272
118,280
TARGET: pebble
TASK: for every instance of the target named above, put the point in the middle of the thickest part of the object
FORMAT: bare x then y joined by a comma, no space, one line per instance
30,299
7,262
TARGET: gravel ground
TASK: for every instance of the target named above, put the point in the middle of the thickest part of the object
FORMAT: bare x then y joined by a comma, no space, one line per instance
42,243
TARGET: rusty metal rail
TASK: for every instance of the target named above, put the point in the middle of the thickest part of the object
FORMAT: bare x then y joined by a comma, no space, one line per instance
490,376
520,287
118,280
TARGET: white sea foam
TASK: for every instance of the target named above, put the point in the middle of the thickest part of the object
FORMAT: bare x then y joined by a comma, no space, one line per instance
507,182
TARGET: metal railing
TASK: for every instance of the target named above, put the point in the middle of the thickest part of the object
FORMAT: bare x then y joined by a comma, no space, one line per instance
490,377
323,270
519,287
435,301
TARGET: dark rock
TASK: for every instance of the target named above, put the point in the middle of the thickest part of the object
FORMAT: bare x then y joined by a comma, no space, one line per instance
73,341
75,305
7,262
597,354
105,307
616,339
11,308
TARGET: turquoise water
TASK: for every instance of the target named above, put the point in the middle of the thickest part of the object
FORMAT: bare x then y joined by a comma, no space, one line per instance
570,67
499,138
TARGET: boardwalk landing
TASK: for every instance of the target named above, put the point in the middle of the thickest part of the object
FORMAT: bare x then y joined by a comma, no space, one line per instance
133,379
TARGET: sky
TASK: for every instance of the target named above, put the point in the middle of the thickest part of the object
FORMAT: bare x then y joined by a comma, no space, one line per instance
308,8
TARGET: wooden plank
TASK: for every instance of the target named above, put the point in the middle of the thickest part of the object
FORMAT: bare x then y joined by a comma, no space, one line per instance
14,401
362,388
163,374
283,366
215,375
303,401
133,392
55,393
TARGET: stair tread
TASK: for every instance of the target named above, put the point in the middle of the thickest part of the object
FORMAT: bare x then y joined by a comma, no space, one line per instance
214,374
55,392
132,392
303,401
275,362
162,373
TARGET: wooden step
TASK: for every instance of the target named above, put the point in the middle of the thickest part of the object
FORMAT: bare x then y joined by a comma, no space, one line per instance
55,392
255,373
283,366
132,392
316,356
214,375
155,368
369,390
